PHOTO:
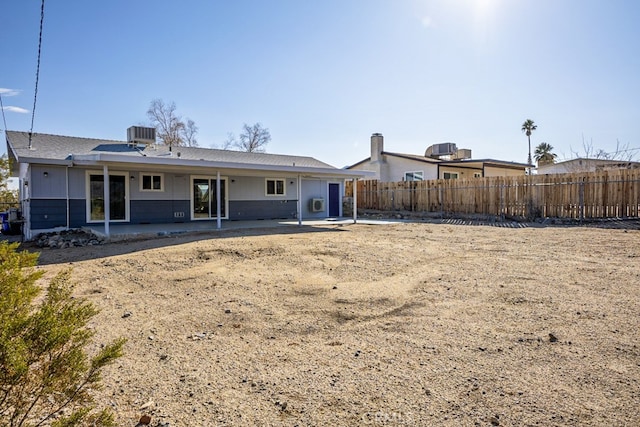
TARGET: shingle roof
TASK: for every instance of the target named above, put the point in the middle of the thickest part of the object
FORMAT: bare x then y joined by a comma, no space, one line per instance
414,157
424,159
58,147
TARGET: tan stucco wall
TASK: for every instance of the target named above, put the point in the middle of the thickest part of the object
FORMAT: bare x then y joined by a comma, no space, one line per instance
489,171
463,173
392,169
398,166
367,166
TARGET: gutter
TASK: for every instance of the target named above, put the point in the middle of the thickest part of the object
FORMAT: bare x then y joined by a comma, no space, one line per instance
102,158
40,161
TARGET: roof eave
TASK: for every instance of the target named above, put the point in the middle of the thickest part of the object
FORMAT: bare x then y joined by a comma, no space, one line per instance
39,160
101,159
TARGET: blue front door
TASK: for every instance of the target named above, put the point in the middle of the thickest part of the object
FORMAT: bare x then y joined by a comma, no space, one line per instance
334,199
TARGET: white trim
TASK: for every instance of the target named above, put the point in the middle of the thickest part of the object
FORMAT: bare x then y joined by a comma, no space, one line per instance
355,200
68,200
87,193
106,200
275,187
340,195
141,176
226,201
25,198
413,173
457,174
218,204
299,204
224,167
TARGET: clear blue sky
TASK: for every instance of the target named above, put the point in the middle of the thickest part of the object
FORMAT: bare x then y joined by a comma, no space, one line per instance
324,75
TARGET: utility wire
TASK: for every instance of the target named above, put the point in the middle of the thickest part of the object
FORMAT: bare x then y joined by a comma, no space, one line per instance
4,120
35,93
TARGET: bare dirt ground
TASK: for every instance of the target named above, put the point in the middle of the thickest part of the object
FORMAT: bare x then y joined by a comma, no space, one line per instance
405,324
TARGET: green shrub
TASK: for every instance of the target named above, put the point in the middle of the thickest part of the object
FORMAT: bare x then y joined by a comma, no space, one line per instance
46,375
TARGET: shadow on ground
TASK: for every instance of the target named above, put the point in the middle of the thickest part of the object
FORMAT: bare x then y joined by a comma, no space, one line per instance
123,247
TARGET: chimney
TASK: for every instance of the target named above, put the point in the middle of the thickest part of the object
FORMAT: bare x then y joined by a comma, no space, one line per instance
377,146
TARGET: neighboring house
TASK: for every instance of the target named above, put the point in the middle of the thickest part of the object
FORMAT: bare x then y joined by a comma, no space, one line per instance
585,165
62,183
441,161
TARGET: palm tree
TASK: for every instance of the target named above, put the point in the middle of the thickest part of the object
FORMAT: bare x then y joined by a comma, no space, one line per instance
527,127
544,155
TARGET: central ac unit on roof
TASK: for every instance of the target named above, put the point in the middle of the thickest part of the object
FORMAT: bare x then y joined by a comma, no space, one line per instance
141,135
316,205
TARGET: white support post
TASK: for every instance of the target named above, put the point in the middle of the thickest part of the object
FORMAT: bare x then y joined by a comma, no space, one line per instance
218,207
106,197
355,200
299,200
67,196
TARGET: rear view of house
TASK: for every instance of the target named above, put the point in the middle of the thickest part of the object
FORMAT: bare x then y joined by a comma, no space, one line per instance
69,182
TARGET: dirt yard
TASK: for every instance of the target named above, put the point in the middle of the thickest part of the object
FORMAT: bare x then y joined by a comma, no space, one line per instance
405,324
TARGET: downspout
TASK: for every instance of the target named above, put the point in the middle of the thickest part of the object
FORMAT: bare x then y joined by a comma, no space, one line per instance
25,198
299,200
218,207
107,201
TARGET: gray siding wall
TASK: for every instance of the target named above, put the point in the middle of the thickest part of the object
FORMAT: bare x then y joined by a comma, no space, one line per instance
262,209
48,213
51,213
314,189
77,185
176,187
159,211
48,182
253,188
78,213
246,197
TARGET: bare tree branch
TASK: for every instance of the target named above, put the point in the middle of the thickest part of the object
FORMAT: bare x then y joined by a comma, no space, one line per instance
622,153
230,142
190,131
253,139
171,130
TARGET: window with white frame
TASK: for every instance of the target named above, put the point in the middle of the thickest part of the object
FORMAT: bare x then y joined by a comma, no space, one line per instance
274,187
477,174
450,175
414,176
151,182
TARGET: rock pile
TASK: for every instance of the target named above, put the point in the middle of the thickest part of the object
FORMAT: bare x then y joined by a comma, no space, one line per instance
67,239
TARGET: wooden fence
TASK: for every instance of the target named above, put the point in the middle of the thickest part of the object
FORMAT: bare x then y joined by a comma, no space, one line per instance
608,194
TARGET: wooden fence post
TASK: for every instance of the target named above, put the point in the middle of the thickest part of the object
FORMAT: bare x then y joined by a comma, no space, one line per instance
502,210
581,198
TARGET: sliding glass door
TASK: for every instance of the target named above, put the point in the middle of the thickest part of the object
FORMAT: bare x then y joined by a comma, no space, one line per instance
204,198
118,197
